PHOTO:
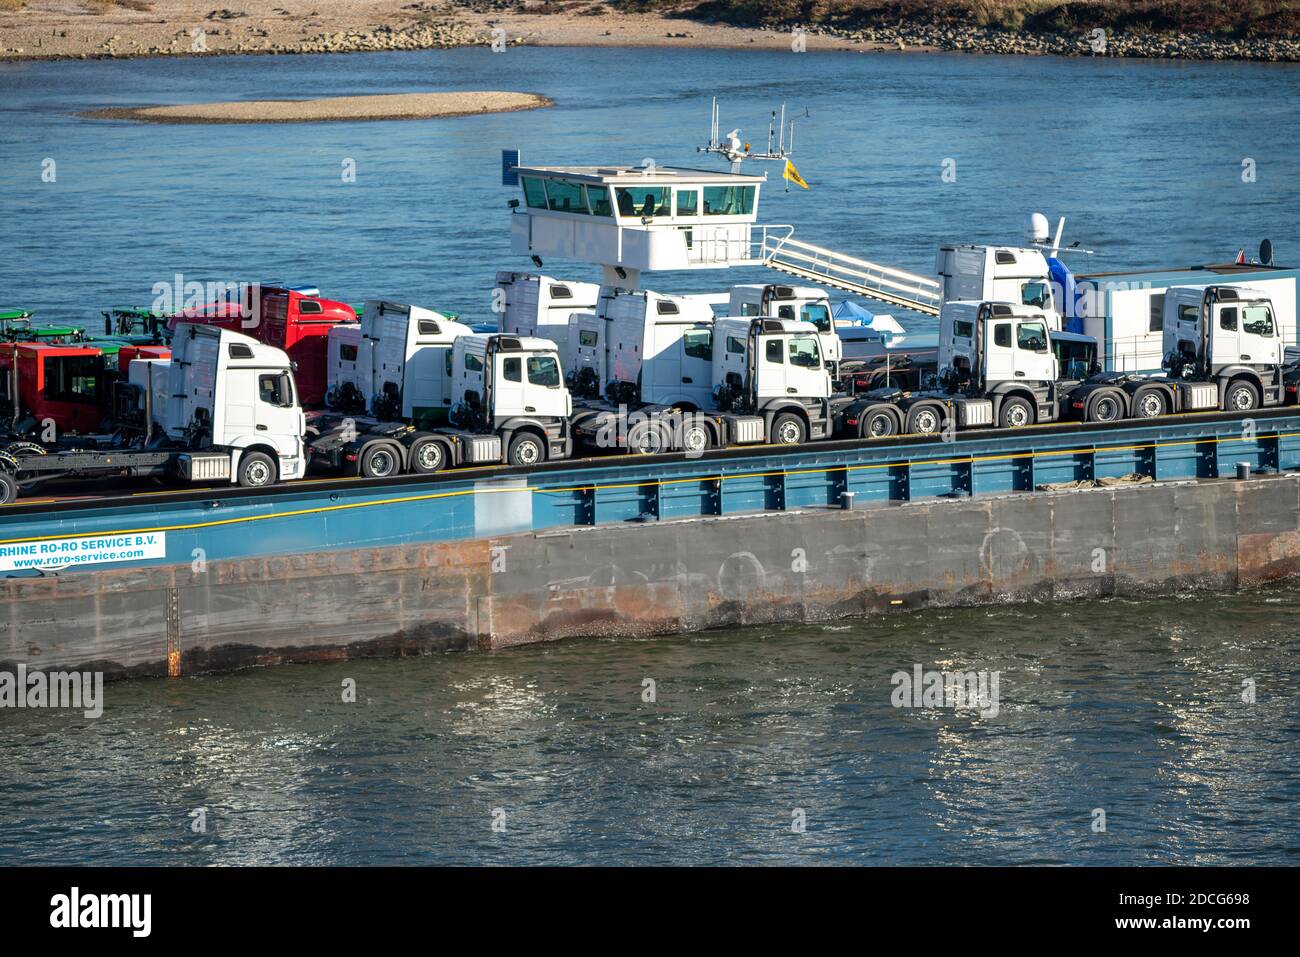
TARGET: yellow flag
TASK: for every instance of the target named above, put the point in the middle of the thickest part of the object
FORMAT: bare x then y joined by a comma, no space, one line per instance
793,176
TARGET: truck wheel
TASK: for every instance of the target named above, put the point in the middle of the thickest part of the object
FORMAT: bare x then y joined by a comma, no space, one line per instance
526,449
924,420
256,470
8,489
1240,397
380,461
695,437
879,424
645,438
1149,405
1106,408
428,456
1016,414
787,429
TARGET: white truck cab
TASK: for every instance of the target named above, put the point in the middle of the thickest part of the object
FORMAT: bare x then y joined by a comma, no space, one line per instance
781,358
541,306
992,343
803,303
1229,335
394,363
657,349
234,399
972,272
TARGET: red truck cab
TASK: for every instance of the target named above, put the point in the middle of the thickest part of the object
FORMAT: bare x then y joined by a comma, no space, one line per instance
127,353
295,319
64,383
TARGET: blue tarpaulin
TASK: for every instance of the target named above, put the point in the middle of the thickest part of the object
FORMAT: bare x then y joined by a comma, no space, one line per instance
850,311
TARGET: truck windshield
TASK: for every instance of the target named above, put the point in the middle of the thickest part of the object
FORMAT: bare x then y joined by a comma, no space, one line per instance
1034,294
803,352
543,370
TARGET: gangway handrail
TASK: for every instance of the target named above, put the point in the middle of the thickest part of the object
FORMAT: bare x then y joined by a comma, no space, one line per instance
850,273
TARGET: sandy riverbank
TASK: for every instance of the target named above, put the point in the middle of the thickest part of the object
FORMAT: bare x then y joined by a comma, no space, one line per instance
396,106
53,29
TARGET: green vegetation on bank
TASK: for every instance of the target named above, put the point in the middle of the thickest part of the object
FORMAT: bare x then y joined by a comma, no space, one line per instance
1236,18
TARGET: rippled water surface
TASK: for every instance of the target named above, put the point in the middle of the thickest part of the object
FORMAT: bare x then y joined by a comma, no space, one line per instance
1132,708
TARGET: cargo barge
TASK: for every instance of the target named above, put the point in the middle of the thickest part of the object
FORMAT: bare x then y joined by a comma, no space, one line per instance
455,503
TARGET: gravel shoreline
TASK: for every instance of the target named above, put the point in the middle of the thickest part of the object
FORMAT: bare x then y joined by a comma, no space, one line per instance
182,28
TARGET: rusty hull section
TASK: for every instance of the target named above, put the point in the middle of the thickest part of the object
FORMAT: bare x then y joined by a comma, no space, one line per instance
641,579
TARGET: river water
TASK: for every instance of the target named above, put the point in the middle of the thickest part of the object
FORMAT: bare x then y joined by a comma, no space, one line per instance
761,745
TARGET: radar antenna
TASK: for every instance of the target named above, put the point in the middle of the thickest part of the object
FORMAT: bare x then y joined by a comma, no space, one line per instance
737,151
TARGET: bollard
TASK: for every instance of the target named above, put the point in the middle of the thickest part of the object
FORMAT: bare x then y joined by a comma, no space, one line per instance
1243,471
846,501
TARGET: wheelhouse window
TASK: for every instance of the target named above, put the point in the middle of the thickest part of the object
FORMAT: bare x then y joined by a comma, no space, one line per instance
643,200
566,197
534,192
544,371
688,202
728,200
598,201
804,352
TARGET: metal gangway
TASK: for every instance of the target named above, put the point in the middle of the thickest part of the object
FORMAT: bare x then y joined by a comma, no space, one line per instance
848,273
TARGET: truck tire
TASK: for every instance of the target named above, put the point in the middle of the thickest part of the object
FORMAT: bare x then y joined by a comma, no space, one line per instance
428,456
1240,397
1149,404
1105,407
257,470
8,489
696,437
526,449
879,424
646,438
788,429
1015,413
924,420
380,461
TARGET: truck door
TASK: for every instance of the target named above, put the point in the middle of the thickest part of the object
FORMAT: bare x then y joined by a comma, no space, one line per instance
508,392
240,406
1258,342
1034,360
805,375
545,394
999,353
697,365
278,419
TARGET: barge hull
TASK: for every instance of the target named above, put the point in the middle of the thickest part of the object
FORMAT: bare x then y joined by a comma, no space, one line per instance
636,579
